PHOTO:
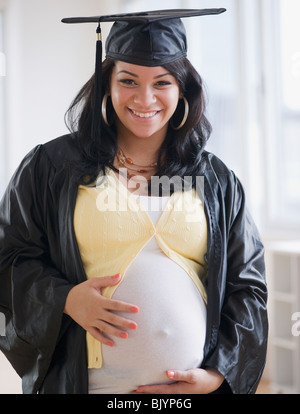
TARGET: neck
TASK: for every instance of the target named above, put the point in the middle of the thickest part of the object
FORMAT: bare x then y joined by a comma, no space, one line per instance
144,149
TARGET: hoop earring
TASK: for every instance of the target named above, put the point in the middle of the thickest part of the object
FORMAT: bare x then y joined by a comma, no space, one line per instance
103,110
185,116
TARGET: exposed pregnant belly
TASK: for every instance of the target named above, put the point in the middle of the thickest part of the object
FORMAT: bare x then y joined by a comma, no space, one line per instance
171,326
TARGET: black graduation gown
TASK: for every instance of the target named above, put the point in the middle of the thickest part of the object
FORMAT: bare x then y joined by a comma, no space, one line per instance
40,263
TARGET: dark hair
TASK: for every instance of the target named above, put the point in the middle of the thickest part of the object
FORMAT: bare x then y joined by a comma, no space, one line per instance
181,151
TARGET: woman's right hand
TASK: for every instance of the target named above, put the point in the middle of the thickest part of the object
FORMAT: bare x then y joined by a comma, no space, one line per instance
95,313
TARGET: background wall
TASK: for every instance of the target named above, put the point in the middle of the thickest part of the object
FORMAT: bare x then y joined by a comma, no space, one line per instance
47,63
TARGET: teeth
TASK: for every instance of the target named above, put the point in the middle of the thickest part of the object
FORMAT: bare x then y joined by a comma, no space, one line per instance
144,115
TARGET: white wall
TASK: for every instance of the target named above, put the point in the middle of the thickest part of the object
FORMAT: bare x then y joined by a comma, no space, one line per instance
47,63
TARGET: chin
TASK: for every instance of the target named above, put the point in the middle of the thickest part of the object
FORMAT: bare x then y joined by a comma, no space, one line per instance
145,133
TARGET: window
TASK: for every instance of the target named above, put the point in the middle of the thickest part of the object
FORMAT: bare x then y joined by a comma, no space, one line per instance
282,109
289,142
249,59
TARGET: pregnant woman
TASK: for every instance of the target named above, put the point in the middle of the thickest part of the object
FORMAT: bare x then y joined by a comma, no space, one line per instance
128,260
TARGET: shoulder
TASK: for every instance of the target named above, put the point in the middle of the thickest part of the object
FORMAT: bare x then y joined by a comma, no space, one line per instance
216,170
57,152
45,161
215,164
222,182
61,150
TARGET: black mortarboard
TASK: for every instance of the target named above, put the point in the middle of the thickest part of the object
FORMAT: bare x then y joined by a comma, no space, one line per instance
152,38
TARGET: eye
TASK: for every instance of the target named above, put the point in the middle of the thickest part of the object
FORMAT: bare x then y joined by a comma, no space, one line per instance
163,83
127,82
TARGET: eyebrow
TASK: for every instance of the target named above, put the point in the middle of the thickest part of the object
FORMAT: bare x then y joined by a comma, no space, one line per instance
136,76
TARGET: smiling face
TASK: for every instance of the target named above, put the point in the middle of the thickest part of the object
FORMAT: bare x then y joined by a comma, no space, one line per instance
144,99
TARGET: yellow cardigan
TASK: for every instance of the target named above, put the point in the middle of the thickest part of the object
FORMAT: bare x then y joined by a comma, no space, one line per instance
112,227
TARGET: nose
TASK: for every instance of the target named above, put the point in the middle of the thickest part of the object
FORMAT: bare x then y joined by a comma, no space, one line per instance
145,97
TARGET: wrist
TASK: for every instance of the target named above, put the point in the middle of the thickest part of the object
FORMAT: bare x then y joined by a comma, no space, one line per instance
216,378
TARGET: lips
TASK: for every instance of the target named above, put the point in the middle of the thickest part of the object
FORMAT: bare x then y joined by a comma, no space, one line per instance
144,114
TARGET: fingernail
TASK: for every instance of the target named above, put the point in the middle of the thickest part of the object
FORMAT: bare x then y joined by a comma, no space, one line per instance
124,335
171,374
135,309
117,276
133,325
111,344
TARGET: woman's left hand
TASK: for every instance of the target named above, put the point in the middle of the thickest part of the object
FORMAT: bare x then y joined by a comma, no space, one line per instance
194,381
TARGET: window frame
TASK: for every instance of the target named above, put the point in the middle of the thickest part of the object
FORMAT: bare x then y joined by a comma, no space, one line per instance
276,224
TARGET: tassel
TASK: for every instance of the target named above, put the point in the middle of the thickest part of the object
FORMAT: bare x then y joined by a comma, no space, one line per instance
96,121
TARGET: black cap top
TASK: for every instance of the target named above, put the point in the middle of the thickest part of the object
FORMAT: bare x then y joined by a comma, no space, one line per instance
145,17
148,44
152,38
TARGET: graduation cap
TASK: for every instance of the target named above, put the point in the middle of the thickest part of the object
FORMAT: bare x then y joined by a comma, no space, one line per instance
152,38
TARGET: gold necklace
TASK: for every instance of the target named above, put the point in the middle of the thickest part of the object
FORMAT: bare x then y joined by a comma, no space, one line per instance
133,169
